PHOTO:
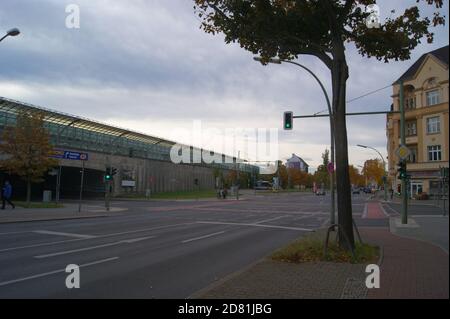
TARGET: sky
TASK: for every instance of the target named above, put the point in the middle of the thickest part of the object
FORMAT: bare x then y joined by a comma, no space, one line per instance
145,65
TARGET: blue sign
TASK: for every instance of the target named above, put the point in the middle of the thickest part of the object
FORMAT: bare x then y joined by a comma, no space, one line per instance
69,155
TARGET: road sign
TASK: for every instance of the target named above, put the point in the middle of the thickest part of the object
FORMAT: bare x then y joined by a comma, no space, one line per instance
69,155
402,152
330,168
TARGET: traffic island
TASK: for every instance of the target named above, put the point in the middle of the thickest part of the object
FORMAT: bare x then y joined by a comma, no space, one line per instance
311,249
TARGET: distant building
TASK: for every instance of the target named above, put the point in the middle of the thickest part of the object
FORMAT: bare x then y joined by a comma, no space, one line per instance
426,127
297,162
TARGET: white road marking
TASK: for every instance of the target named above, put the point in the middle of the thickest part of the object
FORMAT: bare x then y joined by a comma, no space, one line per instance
99,236
383,210
41,245
202,237
48,232
55,272
14,233
269,220
364,215
257,225
325,222
67,252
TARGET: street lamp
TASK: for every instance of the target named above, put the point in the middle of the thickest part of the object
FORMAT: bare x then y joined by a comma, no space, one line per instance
280,61
11,33
384,168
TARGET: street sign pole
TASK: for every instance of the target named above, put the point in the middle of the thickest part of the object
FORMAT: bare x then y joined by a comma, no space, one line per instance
404,209
58,183
81,187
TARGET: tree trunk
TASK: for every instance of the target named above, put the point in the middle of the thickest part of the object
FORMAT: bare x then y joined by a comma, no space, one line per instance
344,203
28,192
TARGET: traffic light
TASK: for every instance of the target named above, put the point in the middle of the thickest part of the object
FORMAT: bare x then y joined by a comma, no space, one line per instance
402,174
288,120
109,173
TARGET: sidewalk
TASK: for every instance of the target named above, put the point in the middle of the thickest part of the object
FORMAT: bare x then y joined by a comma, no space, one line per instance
69,211
410,268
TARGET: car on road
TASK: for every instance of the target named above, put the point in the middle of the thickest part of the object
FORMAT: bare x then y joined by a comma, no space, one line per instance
320,192
263,185
356,191
367,190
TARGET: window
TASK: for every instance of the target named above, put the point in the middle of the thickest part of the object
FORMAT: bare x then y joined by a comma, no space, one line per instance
412,158
433,125
411,128
410,103
434,153
432,97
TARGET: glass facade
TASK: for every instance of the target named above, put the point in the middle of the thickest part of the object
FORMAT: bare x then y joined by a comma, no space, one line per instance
87,135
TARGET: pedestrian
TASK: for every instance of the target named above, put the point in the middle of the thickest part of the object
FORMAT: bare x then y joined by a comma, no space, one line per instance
392,193
7,194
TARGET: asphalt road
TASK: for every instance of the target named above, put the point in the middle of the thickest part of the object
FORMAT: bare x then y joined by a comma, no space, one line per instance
156,249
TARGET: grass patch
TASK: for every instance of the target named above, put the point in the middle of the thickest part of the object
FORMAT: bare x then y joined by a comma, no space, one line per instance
38,205
311,249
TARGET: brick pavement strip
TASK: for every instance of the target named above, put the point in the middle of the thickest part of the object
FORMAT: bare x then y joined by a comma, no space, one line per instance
410,268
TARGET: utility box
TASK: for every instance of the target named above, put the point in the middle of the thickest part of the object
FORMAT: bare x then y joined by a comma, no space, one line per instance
47,197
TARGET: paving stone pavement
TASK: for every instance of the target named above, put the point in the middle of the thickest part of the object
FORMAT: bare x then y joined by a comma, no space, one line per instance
279,280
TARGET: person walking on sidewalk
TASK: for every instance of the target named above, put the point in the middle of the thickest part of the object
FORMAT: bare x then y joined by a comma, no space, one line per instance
7,194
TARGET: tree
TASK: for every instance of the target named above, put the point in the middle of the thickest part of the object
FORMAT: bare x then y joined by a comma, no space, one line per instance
289,28
356,179
27,148
374,170
321,176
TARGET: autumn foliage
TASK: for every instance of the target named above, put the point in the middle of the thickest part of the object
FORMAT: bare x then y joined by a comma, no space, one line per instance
26,149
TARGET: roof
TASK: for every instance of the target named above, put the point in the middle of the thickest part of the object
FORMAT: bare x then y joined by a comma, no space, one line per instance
15,107
297,157
441,54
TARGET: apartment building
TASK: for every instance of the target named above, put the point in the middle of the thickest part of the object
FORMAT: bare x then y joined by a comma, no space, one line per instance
426,96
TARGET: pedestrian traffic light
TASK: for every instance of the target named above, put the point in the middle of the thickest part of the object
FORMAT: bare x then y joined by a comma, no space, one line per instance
288,120
402,174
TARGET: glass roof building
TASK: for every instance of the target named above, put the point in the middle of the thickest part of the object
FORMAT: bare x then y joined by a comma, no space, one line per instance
89,135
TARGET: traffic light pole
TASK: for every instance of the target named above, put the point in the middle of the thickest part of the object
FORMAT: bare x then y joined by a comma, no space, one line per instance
404,210
330,115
